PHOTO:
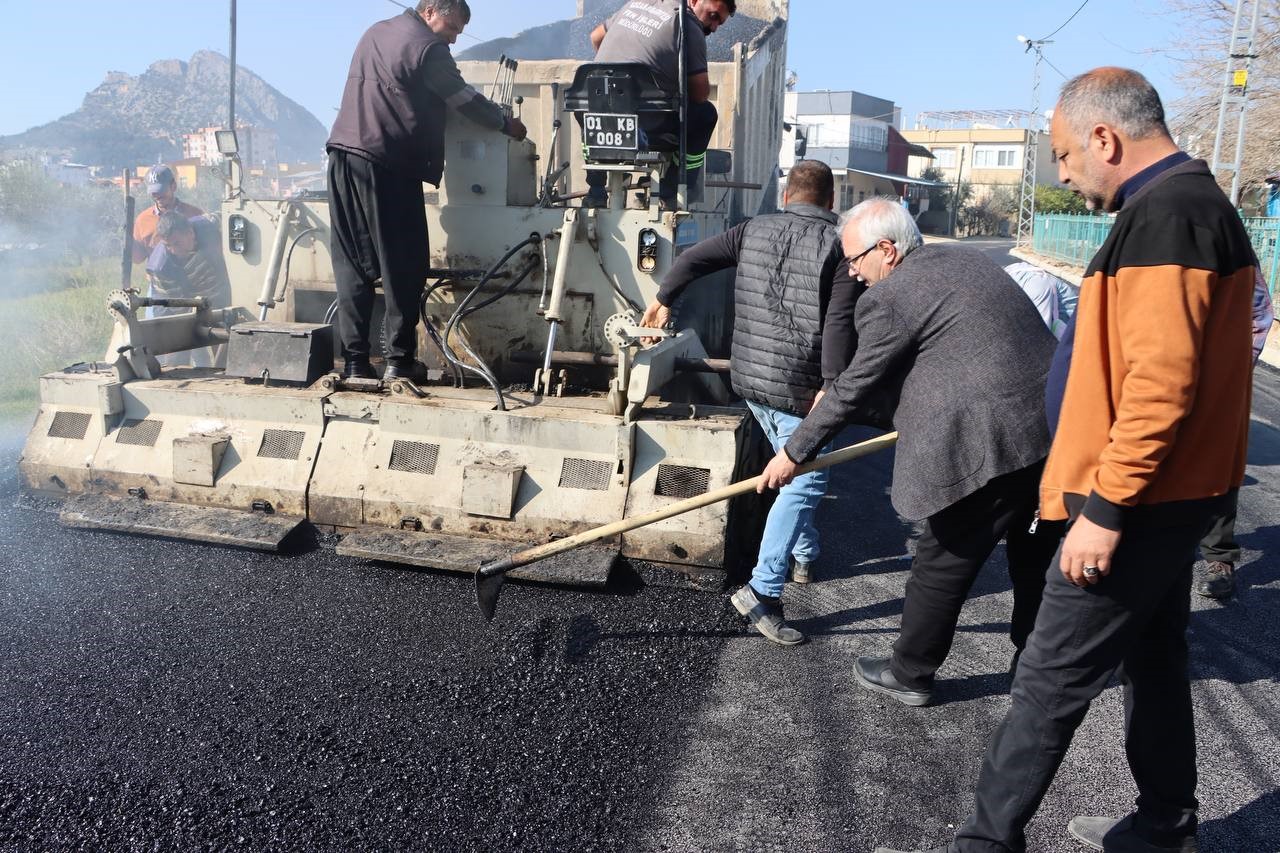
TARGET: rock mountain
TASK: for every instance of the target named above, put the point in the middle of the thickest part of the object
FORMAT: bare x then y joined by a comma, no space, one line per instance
129,120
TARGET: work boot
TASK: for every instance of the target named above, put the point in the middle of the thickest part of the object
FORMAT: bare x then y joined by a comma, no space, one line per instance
1218,581
875,674
1121,836
358,368
801,572
766,616
414,371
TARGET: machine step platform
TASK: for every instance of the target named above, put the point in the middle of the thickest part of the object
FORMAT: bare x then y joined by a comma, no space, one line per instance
586,566
253,530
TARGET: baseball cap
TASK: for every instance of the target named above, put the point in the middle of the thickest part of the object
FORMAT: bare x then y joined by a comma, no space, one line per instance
159,178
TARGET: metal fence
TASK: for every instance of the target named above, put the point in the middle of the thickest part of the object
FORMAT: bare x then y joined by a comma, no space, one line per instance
1074,239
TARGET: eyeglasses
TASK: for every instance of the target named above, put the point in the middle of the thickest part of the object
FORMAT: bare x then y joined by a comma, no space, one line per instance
853,262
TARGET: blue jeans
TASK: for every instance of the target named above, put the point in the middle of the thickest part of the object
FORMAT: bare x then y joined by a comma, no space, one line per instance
789,530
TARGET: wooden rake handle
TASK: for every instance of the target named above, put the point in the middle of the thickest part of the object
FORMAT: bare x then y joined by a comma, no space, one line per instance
551,549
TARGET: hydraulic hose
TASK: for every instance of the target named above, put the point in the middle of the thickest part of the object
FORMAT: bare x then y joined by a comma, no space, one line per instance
462,310
288,259
435,335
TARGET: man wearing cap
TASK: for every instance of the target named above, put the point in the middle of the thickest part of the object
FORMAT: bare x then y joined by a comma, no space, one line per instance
387,140
163,187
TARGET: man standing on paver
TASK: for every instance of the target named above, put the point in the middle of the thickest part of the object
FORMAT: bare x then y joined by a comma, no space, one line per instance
792,327
387,140
644,31
961,355
1149,398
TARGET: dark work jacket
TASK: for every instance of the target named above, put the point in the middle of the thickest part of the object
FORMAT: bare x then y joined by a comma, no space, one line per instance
789,267
388,114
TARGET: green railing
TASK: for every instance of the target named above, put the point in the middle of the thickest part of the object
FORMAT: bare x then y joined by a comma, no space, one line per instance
1074,239
1265,234
1070,238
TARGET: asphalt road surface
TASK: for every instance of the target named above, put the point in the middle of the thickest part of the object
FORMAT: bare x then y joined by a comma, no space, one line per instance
163,695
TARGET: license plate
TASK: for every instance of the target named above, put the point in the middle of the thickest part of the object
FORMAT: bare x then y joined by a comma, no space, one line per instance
611,130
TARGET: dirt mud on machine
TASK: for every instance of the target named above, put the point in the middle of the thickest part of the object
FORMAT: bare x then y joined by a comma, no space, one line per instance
545,415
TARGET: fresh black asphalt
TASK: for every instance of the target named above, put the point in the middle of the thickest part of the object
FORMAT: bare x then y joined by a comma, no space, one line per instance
163,695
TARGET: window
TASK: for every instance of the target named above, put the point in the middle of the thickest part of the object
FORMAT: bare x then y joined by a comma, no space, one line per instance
868,137
944,158
997,156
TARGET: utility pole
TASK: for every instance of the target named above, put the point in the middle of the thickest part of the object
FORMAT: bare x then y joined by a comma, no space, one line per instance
1235,94
955,196
1031,151
231,107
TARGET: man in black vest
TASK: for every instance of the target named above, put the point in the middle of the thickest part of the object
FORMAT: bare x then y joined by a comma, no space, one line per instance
387,140
944,332
793,327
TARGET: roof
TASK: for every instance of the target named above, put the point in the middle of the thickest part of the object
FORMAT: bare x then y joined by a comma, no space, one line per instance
901,179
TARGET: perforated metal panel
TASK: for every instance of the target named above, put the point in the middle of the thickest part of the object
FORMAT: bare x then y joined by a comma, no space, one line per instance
140,433
589,474
680,481
71,425
281,444
414,457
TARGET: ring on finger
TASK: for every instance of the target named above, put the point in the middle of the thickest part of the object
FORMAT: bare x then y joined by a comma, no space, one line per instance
1091,571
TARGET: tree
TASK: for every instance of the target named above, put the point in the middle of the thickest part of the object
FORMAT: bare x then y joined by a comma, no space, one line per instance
1202,65
1058,200
990,212
64,223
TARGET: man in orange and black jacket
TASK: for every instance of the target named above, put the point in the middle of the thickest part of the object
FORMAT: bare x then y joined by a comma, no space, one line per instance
1149,401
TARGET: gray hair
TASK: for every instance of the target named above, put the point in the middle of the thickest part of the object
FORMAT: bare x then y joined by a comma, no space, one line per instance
446,7
883,217
1119,97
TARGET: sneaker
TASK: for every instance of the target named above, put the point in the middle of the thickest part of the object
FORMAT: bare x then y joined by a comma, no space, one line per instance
802,572
1218,581
875,674
1120,836
766,617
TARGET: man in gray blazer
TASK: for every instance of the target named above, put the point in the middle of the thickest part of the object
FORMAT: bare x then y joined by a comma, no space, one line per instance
960,355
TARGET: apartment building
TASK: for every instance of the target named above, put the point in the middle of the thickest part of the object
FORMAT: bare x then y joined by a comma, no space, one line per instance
857,136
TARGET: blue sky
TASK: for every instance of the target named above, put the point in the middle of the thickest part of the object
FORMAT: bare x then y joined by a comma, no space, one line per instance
924,55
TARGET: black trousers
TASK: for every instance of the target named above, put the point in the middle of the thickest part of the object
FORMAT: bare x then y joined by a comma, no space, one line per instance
378,230
1219,544
952,550
1134,620
664,135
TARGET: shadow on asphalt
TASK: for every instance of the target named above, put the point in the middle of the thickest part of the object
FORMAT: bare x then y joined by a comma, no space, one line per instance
1256,826
1264,444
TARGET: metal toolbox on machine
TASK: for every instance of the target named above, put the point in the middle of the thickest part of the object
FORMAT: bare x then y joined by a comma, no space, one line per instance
280,352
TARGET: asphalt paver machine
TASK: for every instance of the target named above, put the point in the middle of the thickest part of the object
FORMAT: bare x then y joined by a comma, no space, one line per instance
545,414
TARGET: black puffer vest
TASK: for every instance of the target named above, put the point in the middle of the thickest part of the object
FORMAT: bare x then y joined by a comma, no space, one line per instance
387,115
779,302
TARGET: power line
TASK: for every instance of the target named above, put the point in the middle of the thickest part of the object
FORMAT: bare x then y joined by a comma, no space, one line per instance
1051,65
1064,25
